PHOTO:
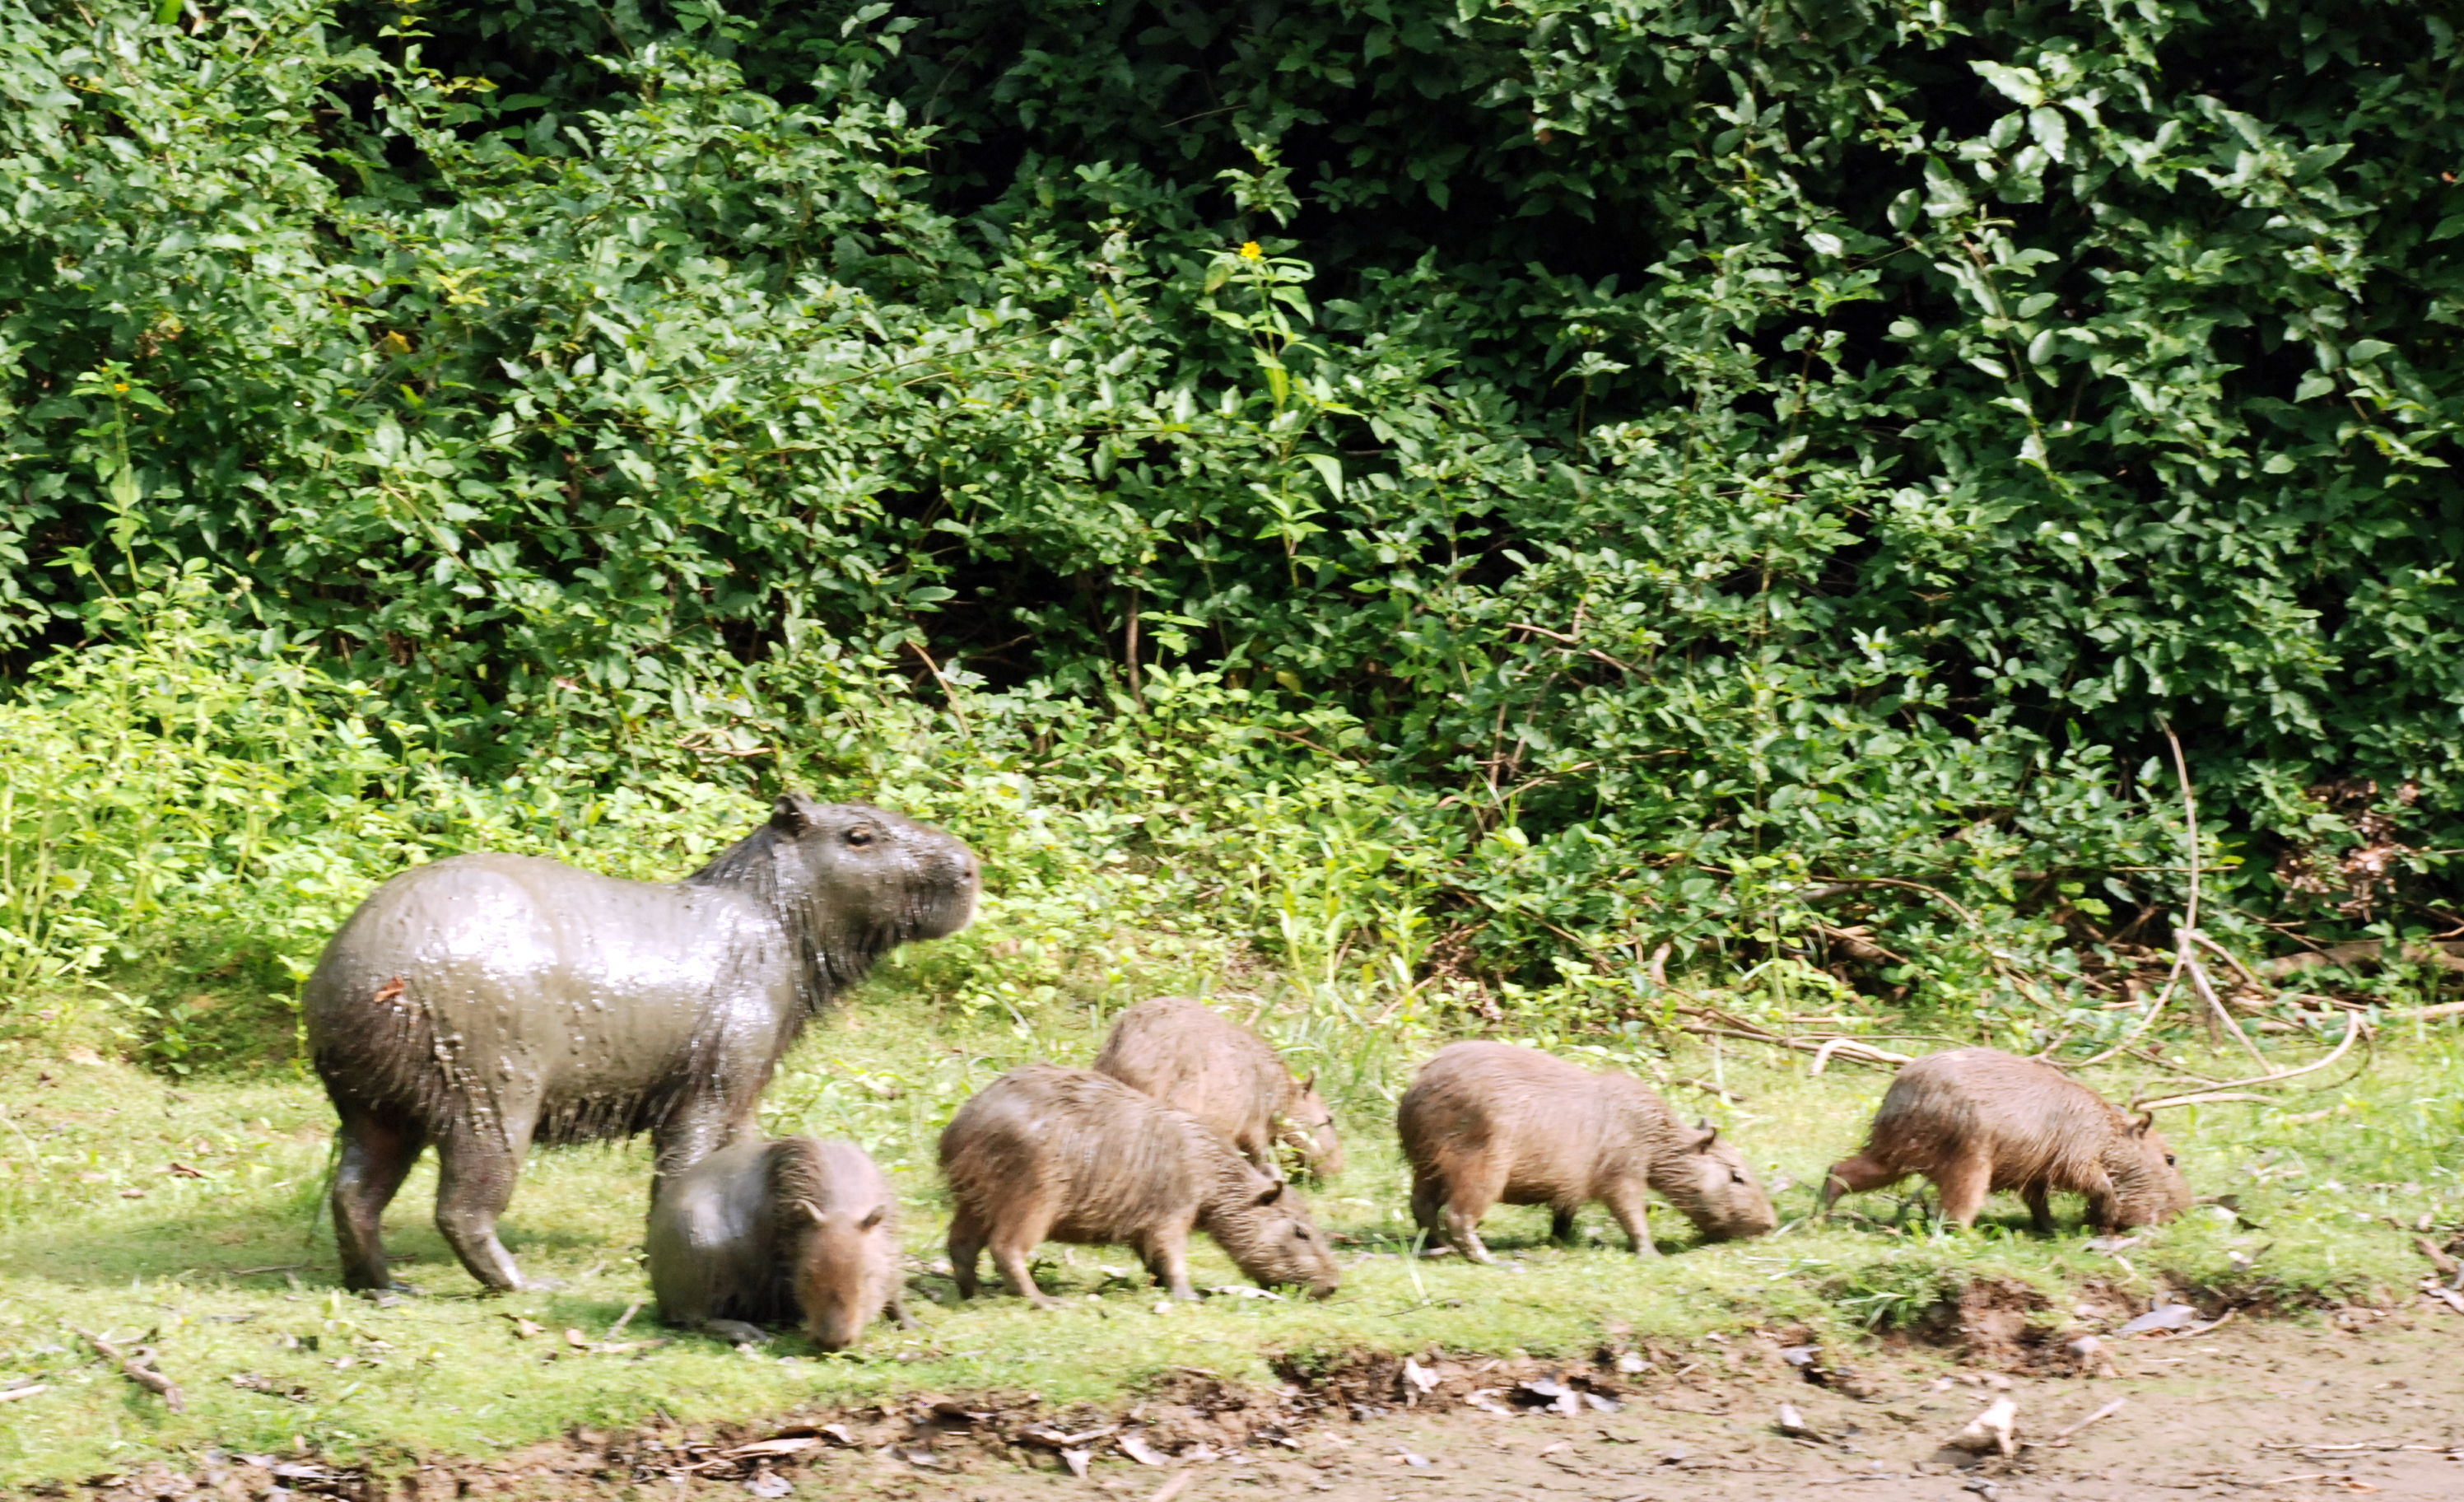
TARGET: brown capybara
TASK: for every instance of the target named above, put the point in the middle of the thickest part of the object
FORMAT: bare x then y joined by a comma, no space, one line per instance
1486,1122
1193,1059
1974,1120
762,1233
1053,1154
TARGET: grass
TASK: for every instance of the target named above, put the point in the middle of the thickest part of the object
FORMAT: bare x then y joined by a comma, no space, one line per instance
230,1278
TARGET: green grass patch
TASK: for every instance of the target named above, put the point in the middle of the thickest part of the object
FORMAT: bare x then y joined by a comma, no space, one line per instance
230,1275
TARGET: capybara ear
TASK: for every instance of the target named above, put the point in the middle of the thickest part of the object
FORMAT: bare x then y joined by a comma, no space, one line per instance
792,813
811,1210
2146,1120
1274,1192
1710,1134
1308,1083
872,1219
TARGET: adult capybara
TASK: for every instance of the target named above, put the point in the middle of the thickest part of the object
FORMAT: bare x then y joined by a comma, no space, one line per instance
486,1002
1053,1154
1486,1122
1974,1120
761,1234
1193,1059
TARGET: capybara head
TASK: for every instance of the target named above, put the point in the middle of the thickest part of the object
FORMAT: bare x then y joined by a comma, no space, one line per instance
1264,1226
841,1263
1310,1130
1710,1184
880,879
2149,1188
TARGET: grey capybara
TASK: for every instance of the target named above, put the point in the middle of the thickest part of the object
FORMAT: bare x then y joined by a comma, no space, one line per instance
762,1233
1488,1122
1193,1059
1051,1154
488,1003
1974,1120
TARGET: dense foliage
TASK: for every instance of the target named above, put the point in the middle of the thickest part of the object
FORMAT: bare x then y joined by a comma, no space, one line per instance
1632,472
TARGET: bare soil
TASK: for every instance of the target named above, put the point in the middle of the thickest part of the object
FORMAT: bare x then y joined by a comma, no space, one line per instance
2362,1401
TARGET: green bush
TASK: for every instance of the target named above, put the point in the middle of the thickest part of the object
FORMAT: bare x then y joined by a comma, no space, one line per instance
1532,483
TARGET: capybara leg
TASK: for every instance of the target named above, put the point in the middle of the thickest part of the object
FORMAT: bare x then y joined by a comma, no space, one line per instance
475,1184
1471,1188
1428,1198
1258,1145
1854,1175
1010,1253
1963,1184
376,1156
1166,1254
1627,1202
691,1133
966,1246
1561,1224
2039,1210
896,1309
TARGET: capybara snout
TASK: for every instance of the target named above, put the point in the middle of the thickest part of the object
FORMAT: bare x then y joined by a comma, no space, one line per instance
1485,1124
1976,1120
1727,1202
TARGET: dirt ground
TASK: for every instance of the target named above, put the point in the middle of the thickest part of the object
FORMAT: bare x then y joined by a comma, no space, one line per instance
2365,1401
2263,1409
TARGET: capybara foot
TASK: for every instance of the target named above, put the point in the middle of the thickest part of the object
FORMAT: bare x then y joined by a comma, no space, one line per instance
735,1332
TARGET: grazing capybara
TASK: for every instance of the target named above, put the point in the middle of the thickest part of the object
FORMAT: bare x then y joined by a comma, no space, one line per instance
487,1002
1488,1122
1974,1120
761,1234
1193,1059
1053,1154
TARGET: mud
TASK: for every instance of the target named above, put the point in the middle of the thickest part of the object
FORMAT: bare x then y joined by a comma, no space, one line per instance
2362,1402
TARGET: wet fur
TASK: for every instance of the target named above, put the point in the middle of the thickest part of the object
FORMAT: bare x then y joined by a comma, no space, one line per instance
1484,1123
488,1004
733,1246
1193,1059
1976,1120
1053,1154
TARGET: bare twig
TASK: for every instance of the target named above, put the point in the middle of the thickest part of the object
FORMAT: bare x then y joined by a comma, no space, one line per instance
1564,639
2200,984
2106,1411
139,1369
2353,1030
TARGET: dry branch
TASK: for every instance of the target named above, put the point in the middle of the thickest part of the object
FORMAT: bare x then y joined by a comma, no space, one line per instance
140,1369
2364,954
2353,1029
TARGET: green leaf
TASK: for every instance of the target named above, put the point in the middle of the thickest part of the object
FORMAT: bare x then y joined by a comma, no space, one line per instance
1330,469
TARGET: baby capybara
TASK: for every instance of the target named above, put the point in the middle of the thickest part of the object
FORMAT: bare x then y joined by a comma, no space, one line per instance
1974,1120
1053,1154
1193,1059
762,1233
1486,1122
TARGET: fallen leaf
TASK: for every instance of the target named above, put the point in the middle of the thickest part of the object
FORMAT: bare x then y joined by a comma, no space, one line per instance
1414,1460
524,1328
2164,1317
132,1194
1486,1400
1418,1376
768,1483
184,1171
1136,1447
1792,1423
577,1340
1076,1460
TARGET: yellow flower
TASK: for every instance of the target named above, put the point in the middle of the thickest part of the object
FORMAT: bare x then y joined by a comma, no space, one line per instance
1249,251
119,386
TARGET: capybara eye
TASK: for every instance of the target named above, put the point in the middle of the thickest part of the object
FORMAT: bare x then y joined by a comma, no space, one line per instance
2168,1159
859,836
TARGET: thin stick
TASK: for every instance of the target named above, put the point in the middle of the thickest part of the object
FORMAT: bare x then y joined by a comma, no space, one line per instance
2352,1034
2191,827
2106,1411
624,1320
142,1375
2207,990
